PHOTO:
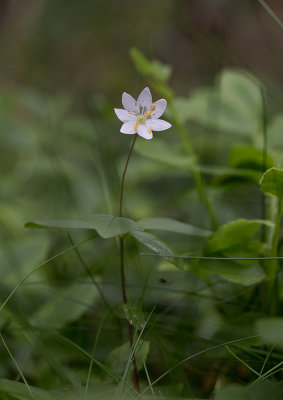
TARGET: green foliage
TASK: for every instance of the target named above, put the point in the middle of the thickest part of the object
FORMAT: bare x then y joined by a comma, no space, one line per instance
260,391
234,105
271,330
161,152
272,182
134,315
106,226
63,323
235,233
159,247
119,357
171,225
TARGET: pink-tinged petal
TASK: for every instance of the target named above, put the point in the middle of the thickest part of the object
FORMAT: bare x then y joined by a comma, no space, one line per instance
144,131
158,108
158,124
145,99
128,128
129,103
124,115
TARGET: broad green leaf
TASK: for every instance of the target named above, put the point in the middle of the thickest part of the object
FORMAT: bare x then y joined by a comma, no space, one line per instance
239,272
65,305
234,105
161,152
242,92
272,182
159,247
156,72
271,330
237,232
259,391
19,391
248,157
171,225
106,226
118,357
275,132
150,69
134,315
231,393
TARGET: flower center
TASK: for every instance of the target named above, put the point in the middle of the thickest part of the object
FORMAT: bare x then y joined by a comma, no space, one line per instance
143,116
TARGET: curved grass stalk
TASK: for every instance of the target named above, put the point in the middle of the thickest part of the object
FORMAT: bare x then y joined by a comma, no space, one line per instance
17,366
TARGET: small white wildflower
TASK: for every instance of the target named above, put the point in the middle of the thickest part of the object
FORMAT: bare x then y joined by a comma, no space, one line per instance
142,116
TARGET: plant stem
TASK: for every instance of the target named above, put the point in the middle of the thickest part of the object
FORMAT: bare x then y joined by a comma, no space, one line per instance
122,266
273,267
200,185
124,174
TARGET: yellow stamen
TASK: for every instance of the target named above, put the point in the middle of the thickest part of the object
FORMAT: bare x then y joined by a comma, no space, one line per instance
131,113
152,108
149,130
136,126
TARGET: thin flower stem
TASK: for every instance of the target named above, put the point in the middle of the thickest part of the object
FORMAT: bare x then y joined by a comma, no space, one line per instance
122,266
273,268
124,174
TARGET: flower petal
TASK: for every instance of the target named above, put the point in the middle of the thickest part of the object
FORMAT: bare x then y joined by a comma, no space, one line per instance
128,127
124,115
129,103
159,108
144,131
145,99
158,124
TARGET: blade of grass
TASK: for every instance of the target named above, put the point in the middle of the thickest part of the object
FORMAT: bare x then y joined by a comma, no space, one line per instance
241,361
193,356
271,13
97,336
17,366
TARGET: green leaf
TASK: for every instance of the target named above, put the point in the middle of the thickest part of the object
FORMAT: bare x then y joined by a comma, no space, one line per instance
118,357
231,393
271,330
156,72
172,225
234,233
65,305
234,105
272,182
161,152
106,226
158,246
19,391
259,391
248,157
242,92
241,272
134,315
150,69
275,132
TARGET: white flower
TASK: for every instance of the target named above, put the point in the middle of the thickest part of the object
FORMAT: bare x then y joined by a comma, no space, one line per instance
142,116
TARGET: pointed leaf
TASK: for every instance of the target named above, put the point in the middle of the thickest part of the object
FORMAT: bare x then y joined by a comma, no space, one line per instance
158,246
171,225
106,226
272,182
237,232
